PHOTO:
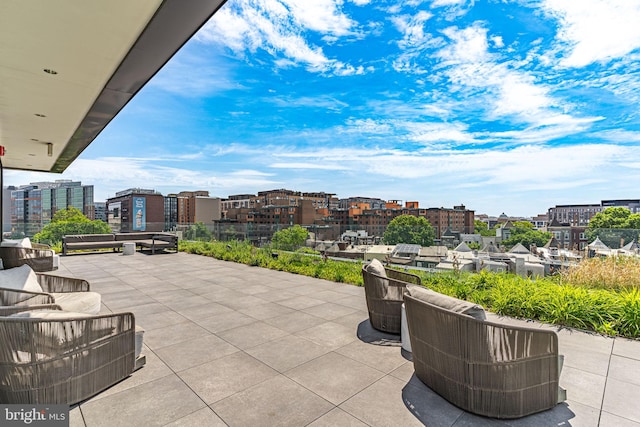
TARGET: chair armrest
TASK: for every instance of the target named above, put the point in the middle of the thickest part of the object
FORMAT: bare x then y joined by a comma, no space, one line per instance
11,297
53,283
40,246
37,259
9,310
403,276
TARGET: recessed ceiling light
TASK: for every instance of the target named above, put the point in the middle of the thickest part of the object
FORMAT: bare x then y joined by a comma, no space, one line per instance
50,71
39,115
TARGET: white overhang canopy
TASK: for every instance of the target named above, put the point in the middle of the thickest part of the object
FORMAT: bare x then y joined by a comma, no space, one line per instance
67,67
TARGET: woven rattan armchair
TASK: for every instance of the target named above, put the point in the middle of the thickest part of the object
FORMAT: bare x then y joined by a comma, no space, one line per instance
52,286
40,259
384,288
484,367
64,358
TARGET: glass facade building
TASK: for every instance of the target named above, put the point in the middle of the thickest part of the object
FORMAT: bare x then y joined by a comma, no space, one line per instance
34,205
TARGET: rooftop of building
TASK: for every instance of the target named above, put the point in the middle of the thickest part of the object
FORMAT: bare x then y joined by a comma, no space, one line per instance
229,344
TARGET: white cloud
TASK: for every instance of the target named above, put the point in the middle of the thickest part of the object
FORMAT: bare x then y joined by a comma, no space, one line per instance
512,93
595,30
412,29
438,132
279,28
193,76
440,3
308,165
322,16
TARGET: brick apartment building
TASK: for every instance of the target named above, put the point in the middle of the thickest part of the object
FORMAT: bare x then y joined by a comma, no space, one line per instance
375,221
136,209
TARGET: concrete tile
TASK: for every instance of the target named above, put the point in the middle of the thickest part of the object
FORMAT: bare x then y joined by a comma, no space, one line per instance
610,420
391,402
251,335
295,321
625,369
300,302
579,356
225,321
275,295
383,358
75,417
329,334
202,417
564,414
152,404
276,402
159,319
153,369
329,311
205,310
352,320
328,295
358,302
621,399
583,387
163,337
197,351
287,352
334,377
337,418
266,311
245,301
627,348
221,378
404,372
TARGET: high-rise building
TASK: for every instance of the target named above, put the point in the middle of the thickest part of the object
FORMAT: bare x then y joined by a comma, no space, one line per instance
136,209
101,211
33,206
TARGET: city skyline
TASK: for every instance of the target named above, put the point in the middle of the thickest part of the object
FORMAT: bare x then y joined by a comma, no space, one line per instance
508,107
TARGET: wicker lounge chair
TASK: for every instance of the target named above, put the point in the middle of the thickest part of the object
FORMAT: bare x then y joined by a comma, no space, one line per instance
55,357
39,258
383,289
480,366
71,293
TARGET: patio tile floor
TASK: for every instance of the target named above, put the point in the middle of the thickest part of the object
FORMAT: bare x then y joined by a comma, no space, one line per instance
229,344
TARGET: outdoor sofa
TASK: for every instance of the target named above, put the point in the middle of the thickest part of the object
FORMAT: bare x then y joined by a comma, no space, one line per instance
384,289
57,357
483,367
52,356
143,240
21,286
17,252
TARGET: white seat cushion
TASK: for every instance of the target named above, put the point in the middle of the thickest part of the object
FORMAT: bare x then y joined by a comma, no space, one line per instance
139,339
78,302
17,243
21,278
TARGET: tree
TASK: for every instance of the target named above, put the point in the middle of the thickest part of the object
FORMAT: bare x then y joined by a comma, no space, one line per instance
69,221
409,229
482,228
614,226
290,238
198,231
523,233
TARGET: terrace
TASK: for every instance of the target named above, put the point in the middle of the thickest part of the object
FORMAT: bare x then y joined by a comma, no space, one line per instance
228,344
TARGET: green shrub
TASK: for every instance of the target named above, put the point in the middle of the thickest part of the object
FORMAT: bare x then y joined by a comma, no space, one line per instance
613,311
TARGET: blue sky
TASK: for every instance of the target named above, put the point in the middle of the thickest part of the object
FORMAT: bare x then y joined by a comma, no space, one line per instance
502,105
